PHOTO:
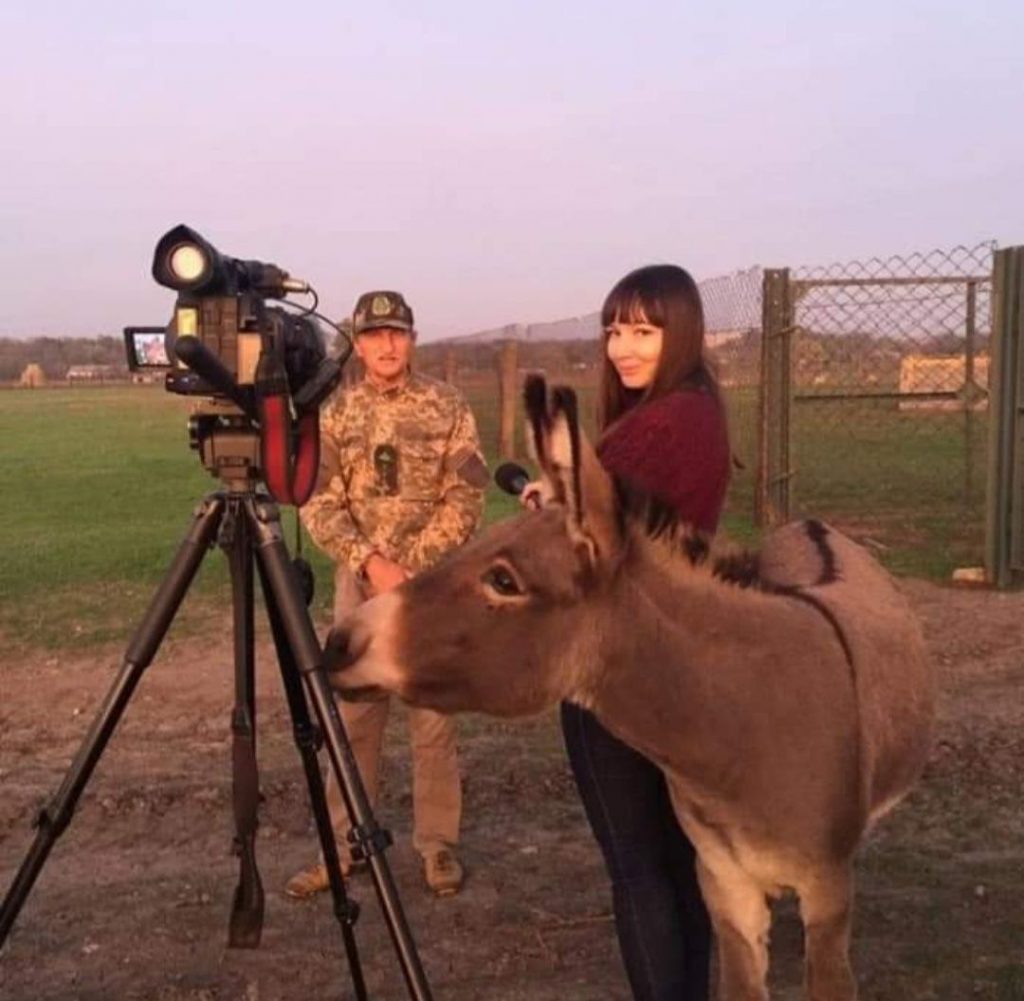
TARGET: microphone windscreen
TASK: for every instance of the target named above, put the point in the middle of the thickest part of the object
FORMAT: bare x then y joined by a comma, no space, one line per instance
512,478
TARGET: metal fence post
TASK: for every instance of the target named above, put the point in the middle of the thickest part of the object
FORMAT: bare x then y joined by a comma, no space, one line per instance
772,498
1004,523
971,392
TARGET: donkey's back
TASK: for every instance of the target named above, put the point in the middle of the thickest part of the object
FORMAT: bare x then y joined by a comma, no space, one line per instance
883,641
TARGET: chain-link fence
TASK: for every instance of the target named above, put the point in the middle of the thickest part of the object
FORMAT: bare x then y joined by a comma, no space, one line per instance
888,370
732,314
883,369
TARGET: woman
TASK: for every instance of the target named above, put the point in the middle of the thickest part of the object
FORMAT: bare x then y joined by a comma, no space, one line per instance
664,439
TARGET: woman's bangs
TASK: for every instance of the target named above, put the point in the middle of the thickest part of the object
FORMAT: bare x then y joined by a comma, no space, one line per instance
628,304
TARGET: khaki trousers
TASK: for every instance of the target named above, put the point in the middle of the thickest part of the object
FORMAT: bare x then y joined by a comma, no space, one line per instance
436,786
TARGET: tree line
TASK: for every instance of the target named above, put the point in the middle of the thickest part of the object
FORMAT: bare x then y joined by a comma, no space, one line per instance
55,355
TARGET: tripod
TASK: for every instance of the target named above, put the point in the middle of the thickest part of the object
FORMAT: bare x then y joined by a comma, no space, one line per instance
247,525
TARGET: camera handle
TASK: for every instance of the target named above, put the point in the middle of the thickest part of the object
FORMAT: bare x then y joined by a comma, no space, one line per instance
200,359
251,530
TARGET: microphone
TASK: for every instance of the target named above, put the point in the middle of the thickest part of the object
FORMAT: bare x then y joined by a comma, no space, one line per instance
511,477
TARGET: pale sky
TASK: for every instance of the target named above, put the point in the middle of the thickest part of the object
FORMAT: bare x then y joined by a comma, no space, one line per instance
499,162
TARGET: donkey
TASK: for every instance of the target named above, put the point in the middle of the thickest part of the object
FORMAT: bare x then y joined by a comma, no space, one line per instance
785,695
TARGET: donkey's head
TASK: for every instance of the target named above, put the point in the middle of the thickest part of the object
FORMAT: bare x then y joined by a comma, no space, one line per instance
508,623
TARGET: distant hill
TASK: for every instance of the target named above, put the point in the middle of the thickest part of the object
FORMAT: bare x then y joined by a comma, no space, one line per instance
575,328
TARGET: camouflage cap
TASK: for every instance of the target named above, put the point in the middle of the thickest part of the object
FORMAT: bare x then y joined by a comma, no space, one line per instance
381,309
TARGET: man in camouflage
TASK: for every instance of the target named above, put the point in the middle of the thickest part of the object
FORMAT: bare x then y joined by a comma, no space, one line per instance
401,484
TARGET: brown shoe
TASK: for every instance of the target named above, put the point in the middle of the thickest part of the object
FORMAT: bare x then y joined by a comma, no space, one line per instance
443,872
313,880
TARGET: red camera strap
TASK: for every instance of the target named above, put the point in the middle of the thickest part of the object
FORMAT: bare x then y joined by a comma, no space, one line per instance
290,460
307,461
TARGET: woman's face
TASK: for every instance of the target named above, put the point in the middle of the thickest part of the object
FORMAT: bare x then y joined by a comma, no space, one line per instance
634,350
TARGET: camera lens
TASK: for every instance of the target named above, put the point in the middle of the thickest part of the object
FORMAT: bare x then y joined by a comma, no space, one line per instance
187,262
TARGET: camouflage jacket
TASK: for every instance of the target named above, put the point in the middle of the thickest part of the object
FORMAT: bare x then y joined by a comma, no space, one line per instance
401,474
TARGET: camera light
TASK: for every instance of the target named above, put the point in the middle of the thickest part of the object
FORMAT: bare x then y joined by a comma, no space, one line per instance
186,321
187,262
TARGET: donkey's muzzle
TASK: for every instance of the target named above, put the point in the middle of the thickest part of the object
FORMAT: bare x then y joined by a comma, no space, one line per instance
336,651
341,653
358,655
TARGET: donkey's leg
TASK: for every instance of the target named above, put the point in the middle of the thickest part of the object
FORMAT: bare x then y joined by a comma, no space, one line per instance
826,906
741,918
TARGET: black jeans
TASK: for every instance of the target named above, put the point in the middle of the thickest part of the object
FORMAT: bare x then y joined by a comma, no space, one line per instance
662,923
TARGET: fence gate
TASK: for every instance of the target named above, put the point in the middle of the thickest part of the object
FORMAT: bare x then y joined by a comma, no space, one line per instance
874,403
1004,543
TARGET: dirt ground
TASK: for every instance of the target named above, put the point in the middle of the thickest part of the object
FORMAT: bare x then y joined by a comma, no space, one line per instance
133,902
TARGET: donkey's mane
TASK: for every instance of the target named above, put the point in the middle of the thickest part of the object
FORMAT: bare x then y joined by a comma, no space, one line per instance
741,567
731,564
661,523
726,562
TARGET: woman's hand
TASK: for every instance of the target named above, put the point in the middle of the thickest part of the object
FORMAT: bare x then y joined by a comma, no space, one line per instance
534,495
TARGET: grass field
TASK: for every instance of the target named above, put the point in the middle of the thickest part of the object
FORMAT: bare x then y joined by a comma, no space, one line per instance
910,483
99,485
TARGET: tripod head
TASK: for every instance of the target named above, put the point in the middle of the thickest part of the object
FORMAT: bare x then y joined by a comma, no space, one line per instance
228,443
276,440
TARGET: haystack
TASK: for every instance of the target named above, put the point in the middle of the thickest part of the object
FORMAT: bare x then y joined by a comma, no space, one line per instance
33,376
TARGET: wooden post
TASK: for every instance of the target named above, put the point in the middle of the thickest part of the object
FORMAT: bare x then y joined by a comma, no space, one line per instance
772,497
352,372
508,393
449,365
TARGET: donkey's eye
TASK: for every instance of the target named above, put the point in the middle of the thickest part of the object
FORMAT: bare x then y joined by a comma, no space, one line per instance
501,580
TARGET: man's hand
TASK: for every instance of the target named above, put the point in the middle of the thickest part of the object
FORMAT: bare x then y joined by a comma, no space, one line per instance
383,575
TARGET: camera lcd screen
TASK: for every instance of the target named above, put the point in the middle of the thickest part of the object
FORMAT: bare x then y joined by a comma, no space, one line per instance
146,347
150,349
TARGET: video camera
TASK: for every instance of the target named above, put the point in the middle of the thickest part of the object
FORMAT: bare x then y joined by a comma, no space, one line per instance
265,369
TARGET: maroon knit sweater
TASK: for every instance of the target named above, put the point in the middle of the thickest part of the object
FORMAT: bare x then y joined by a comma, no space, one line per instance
675,449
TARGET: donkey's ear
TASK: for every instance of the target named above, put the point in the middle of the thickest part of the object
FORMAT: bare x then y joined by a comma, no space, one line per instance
535,400
538,416
573,475
588,492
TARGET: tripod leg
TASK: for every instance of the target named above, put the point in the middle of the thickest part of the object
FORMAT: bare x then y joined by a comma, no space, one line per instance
273,557
54,818
307,739
246,924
